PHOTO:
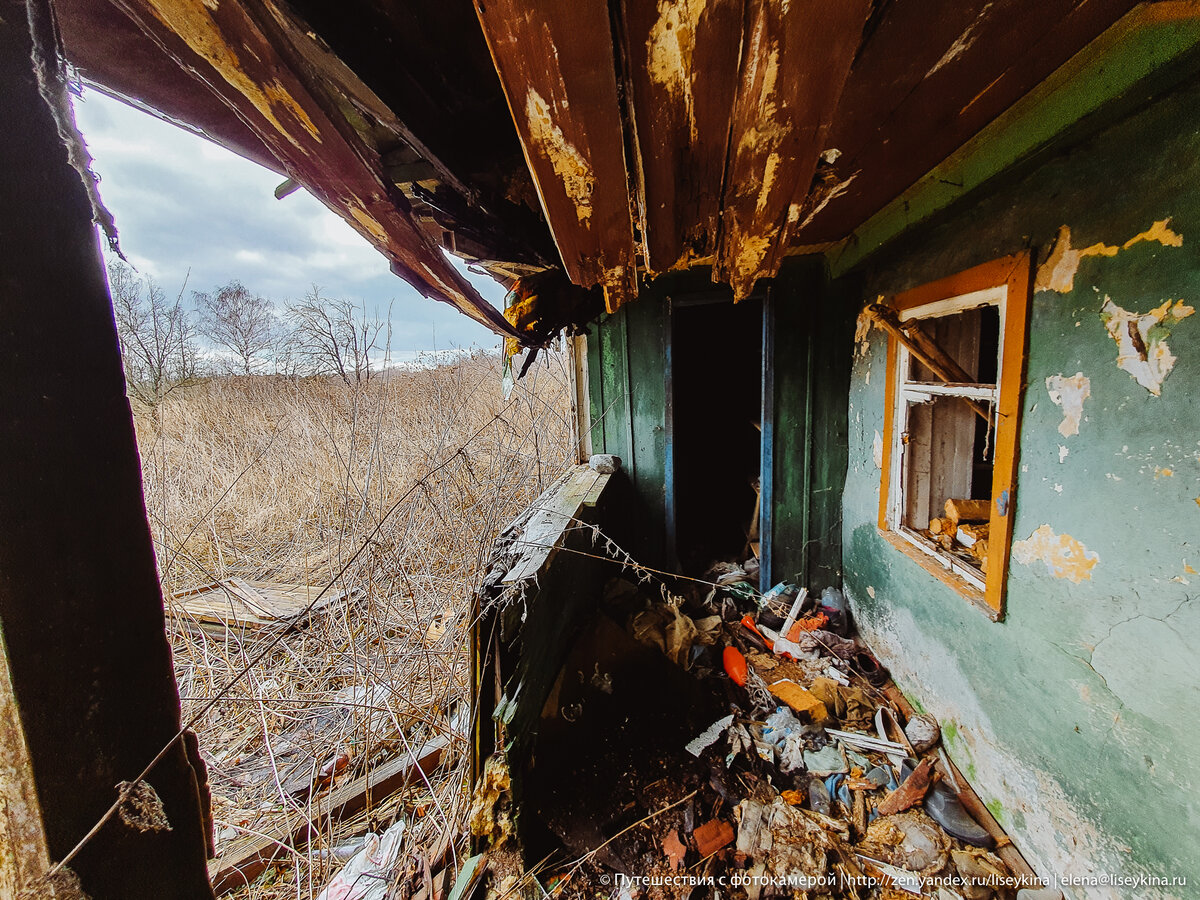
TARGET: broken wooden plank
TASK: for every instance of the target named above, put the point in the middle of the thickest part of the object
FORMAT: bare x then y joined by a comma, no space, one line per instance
928,78
682,61
796,55
237,603
249,856
245,53
555,511
924,349
555,61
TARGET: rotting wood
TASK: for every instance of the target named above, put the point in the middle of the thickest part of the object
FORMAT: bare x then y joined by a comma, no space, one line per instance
795,59
237,603
909,104
555,61
554,512
682,69
249,857
244,52
920,345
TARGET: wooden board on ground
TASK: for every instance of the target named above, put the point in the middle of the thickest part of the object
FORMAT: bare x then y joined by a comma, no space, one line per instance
237,603
249,856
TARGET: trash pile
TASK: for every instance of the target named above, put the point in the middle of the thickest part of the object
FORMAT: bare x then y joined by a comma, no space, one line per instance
724,743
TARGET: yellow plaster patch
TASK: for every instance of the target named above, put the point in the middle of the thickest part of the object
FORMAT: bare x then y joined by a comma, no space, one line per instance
1160,231
568,163
1057,273
670,48
1189,570
193,22
1064,556
1163,473
1141,340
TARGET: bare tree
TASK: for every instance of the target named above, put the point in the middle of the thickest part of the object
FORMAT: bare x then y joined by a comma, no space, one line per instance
157,336
335,337
241,323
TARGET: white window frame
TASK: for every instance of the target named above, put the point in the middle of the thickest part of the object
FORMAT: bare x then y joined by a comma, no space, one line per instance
911,391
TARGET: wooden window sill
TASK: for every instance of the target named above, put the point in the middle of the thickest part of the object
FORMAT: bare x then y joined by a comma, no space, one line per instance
948,577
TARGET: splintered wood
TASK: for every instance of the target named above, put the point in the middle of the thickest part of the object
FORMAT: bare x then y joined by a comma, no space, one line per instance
235,603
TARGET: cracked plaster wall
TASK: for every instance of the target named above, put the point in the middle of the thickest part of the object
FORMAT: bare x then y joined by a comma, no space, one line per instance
1076,717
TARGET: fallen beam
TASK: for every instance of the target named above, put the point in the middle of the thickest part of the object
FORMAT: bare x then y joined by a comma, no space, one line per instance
250,856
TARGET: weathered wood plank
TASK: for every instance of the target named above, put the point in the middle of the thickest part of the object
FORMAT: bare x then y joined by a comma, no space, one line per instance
933,74
248,857
244,53
556,511
795,58
683,65
555,61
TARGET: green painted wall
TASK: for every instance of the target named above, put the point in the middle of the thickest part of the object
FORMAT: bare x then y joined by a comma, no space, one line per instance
804,431
1076,717
624,350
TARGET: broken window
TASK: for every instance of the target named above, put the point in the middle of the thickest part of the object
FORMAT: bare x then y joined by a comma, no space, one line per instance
955,363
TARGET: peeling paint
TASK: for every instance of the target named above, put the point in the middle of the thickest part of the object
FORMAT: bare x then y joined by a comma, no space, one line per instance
1057,273
568,163
670,48
878,445
828,195
1064,556
1062,452
1058,839
963,44
1141,340
862,334
1069,392
770,170
1163,473
192,20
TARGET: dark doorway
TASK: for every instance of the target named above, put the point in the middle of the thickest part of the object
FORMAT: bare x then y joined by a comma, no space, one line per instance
716,427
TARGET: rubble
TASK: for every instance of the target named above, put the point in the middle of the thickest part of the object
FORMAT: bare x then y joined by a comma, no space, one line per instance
739,735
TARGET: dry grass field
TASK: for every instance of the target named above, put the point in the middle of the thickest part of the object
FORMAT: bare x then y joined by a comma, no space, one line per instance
297,481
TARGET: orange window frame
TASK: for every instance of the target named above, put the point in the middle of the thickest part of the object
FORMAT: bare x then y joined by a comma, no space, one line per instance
1015,274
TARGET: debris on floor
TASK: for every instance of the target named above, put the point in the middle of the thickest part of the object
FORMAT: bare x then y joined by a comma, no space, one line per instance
718,742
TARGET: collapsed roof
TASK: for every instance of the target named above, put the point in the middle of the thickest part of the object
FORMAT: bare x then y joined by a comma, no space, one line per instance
614,139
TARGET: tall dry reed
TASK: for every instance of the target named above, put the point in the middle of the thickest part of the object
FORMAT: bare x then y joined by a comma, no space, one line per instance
284,480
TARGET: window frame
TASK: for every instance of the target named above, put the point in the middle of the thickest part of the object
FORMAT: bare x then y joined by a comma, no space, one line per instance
1010,275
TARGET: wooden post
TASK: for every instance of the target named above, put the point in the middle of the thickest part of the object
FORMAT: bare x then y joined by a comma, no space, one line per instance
80,608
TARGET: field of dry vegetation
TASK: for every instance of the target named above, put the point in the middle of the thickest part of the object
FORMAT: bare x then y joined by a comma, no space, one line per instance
298,481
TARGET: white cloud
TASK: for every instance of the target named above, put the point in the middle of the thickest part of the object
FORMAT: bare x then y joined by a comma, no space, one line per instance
187,208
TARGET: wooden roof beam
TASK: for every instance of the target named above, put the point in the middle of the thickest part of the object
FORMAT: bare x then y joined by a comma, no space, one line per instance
247,57
796,57
556,64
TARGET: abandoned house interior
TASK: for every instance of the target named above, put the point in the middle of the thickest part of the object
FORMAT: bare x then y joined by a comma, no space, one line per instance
893,297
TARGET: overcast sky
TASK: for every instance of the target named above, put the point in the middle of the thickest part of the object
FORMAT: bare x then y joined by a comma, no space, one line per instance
182,203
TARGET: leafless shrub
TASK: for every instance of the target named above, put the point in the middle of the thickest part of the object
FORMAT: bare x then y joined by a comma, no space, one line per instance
241,323
335,337
158,341
282,480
